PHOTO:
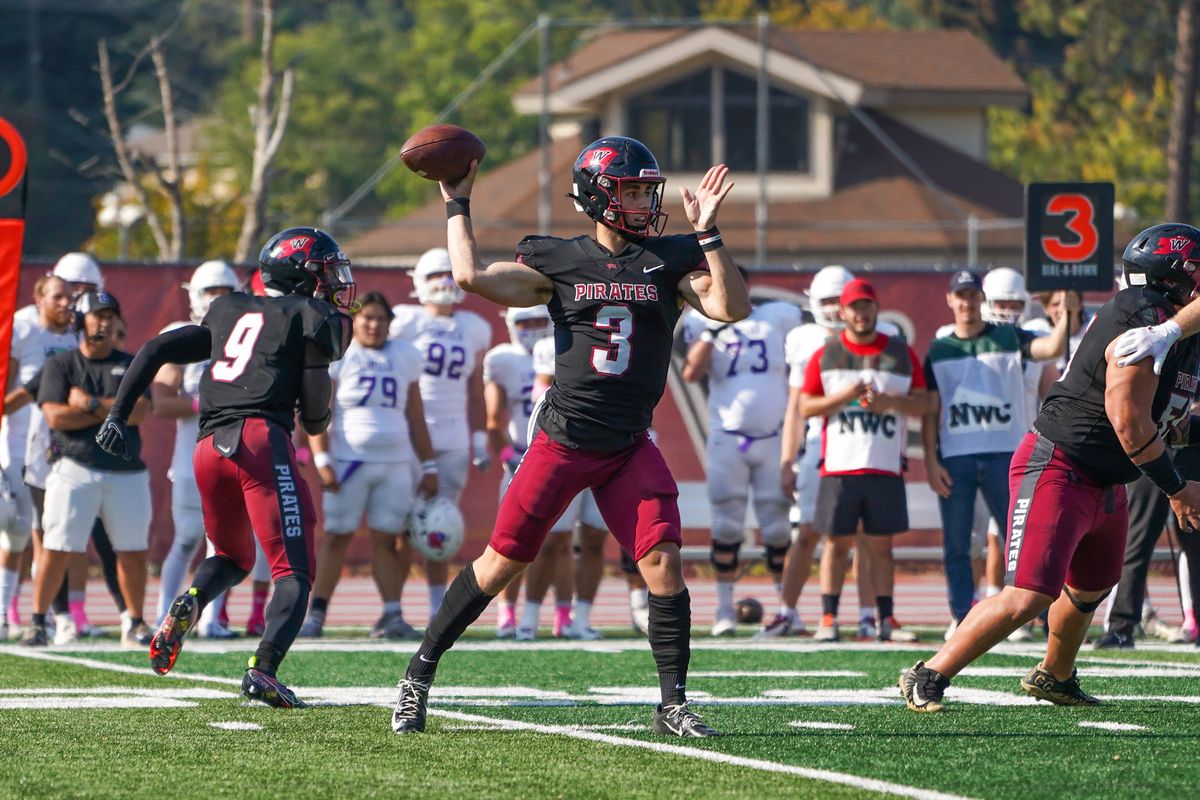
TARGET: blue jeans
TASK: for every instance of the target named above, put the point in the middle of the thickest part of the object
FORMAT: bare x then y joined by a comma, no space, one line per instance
986,473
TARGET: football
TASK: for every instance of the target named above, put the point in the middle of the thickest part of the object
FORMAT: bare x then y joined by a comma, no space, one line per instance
442,152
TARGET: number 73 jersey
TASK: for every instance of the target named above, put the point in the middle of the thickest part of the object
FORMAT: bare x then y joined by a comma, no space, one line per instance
451,346
614,319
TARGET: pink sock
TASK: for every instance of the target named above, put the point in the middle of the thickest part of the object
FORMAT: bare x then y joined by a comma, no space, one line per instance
1189,620
562,617
257,604
14,608
79,615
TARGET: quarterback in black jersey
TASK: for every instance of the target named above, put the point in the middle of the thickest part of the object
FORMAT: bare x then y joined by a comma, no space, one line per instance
614,298
269,360
1101,426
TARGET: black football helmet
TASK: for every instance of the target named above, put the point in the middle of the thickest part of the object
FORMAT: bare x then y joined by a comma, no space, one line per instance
307,261
598,174
1165,257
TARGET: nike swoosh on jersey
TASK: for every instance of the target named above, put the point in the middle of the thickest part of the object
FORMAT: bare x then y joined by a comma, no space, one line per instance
224,448
652,269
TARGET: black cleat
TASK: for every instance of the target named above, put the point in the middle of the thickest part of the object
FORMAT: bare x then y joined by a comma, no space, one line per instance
1113,640
679,720
35,636
409,714
922,688
258,685
1044,686
166,644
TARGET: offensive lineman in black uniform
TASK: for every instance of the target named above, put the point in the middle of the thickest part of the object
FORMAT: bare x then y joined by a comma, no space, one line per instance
270,357
1101,426
614,300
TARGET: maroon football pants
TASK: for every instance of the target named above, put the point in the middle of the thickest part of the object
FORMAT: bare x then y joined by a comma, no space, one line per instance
633,488
257,492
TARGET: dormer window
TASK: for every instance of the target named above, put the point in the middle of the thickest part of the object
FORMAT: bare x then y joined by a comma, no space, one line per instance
710,117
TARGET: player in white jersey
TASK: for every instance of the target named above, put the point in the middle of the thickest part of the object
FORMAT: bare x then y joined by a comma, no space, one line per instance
508,385
175,393
453,343
32,343
747,396
82,274
581,521
373,460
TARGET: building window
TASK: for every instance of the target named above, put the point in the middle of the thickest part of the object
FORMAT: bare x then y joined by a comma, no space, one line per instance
676,122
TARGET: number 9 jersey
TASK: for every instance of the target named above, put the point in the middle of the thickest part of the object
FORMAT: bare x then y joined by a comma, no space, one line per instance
614,320
260,347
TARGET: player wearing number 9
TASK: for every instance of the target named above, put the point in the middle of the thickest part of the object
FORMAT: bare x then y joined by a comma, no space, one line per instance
614,298
269,360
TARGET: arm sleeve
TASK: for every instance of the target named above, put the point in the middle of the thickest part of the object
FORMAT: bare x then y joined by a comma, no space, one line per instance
316,390
327,332
54,386
185,345
812,376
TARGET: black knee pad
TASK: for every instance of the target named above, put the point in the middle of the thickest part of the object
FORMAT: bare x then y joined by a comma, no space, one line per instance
729,565
628,565
775,555
1086,607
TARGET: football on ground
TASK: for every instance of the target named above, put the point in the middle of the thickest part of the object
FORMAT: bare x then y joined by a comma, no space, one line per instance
442,152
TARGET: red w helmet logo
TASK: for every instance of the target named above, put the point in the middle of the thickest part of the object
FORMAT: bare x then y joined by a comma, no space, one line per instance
1175,244
297,244
599,158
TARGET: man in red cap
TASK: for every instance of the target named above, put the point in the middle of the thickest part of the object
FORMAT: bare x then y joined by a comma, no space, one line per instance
865,384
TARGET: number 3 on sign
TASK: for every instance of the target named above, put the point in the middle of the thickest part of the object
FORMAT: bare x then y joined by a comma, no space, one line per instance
238,348
614,359
1082,223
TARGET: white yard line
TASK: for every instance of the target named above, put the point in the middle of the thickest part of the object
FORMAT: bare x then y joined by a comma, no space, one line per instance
1113,726
828,776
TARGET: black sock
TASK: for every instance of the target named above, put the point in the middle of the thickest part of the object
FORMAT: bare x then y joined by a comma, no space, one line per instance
670,634
135,621
216,574
886,608
285,614
108,563
39,621
463,604
830,603
320,603
59,604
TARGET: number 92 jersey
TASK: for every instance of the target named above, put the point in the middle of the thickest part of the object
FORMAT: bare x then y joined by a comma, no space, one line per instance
614,318
451,346
260,346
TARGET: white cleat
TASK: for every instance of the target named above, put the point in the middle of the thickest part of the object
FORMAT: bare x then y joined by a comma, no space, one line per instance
506,631
640,618
1022,634
725,626
216,630
64,631
525,634
582,633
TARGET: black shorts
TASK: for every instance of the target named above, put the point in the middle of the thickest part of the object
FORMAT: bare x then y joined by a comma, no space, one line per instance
878,501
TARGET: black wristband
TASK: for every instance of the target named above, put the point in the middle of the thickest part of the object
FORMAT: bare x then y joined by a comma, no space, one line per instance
1163,473
709,239
458,207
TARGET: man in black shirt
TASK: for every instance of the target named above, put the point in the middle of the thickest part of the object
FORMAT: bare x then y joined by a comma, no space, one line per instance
75,393
1101,426
269,357
614,298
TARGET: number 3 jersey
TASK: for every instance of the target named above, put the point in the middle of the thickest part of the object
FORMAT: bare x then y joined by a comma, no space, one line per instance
451,346
614,319
259,348
1073,414
747,377
370,399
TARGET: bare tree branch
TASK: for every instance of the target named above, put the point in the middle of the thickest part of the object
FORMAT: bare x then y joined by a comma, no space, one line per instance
121,149
170,187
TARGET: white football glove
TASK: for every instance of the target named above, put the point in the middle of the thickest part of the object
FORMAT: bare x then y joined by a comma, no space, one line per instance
1153,342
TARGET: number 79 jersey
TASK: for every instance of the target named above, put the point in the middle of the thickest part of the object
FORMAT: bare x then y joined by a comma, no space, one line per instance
259,345
614,320
451,346
369,402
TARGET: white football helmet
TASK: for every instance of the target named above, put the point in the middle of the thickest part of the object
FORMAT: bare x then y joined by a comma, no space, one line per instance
1004,284
79,268
827,283
526,339
435,528
440,290
209,275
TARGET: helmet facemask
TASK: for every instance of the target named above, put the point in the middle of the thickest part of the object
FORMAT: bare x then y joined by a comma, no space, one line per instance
335,282
604,193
